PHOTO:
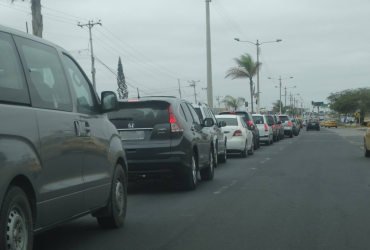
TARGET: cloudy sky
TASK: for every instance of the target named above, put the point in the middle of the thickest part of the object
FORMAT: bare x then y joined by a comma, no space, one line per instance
325,43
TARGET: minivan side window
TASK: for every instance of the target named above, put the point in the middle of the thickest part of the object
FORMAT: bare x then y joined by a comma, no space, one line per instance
195,115
13,87
186,110
85,101
45,74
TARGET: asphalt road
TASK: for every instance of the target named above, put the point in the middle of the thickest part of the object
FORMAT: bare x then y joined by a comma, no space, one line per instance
309,192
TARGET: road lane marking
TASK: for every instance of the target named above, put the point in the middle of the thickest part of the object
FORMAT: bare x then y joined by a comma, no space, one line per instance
252,168
265,160
224,188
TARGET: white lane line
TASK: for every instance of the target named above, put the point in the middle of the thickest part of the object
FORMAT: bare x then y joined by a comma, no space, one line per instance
252,168
224,188
265,160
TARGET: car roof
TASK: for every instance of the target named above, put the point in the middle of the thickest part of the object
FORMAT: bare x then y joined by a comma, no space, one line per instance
28,36
233,112
257,115
227,116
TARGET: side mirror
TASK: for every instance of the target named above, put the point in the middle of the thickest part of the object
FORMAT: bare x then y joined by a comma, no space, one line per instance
222,124
208,122
252,127
109,102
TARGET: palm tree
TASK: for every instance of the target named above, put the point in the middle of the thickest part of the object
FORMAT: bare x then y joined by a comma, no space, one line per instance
37,22
246,68
233,102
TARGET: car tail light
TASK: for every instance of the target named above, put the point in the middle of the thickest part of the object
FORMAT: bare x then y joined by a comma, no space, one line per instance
250,123
273,126
279,126
288,123
266,128
175,126
237,133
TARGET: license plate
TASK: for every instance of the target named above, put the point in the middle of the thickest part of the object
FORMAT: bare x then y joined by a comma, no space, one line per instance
132,135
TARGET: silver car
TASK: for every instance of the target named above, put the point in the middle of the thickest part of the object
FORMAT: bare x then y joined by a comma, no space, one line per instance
289,126
265,131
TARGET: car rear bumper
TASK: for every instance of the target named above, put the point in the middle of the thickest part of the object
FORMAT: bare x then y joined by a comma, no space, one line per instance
236,144
264,138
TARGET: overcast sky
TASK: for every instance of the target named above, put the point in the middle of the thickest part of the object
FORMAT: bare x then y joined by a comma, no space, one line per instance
325,43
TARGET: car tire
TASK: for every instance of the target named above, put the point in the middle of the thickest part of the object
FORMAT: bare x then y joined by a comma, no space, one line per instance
272,141
367,152
208,173
215,157
259,142
274,138
255,146
291,134
190,180
15,217
267,143
306,129
251,150
278,138
318,129
223,156
117,203
244,152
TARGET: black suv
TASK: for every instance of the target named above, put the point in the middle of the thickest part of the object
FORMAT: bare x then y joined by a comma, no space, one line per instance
60,157
164,138
313,124
248,119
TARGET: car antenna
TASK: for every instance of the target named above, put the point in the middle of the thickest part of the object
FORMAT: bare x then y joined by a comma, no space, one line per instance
138,95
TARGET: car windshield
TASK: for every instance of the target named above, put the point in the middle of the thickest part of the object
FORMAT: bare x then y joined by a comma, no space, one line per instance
284,118
229,121
258,119
140,114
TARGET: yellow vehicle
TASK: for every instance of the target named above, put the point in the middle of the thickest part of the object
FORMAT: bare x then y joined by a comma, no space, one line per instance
322,124
331,124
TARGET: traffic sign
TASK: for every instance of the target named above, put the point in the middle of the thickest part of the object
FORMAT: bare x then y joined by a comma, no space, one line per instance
356,114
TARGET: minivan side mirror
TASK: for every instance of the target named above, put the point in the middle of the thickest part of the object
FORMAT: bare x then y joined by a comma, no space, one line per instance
222,124
208,122
109,102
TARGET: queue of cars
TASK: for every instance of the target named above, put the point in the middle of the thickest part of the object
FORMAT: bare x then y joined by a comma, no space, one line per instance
76,152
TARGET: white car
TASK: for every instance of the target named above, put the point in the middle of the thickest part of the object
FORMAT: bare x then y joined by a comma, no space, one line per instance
239,137
266,133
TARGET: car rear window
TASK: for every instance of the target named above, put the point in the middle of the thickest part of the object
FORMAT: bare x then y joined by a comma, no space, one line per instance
140,114
284,118
243,115
258,119
199,112
229,121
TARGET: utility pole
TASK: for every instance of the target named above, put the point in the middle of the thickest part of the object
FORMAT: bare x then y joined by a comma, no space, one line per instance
90,25
280,94
179,87
258,79
209,61
193,84
218,100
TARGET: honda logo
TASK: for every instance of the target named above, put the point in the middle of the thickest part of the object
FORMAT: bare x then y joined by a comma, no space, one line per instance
131,125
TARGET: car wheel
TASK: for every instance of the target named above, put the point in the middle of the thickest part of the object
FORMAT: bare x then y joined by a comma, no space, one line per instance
318,129
306,129
244,152
251,150
16,221
117,203
215,158
223,156
367,152
291,134
274,138
189,181
258,142
255,146
278,138
208,173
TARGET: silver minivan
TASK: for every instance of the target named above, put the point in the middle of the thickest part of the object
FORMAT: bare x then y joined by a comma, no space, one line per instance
265,131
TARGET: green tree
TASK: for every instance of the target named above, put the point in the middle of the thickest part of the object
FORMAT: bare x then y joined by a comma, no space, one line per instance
233,103
276,107
37,22
121,81
246,68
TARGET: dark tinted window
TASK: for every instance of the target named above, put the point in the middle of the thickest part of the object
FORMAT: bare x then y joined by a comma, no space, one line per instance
229,121
47,80
81,87
13,86
140,114
186,110
258,119
199,112
195,115
284,118
270,119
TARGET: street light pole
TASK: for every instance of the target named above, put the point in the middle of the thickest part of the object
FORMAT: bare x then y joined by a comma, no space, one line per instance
209,61
258,70
280,87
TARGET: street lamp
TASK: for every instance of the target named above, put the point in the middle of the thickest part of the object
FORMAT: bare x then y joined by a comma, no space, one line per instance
258,70
280,87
